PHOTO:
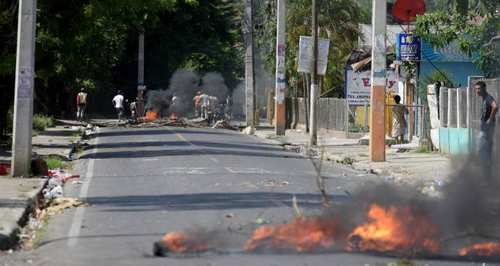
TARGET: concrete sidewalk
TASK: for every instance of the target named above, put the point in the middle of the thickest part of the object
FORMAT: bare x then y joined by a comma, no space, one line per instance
401,165
18,196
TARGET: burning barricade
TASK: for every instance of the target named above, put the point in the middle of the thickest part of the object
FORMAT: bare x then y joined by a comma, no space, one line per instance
386,230
300,235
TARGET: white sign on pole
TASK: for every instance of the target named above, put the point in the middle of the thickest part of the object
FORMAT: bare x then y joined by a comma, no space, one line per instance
306,54
359,85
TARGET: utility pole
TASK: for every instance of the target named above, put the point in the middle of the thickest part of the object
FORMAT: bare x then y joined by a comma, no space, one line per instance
140,61
140,75
378,76
24,85
280,104
249,65
314,79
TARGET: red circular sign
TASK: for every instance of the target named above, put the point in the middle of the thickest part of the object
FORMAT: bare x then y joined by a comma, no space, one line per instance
406,11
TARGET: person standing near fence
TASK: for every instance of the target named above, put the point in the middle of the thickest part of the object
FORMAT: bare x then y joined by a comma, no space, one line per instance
399,124
489,109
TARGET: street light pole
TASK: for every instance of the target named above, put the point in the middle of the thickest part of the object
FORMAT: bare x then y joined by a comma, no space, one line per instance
314,79
140,67
280,104
24,85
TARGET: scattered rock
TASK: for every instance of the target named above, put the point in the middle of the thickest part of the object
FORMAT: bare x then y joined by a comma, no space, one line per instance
249,131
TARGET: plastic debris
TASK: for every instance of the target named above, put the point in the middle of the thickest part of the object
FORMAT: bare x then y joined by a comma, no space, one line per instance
53,190
62,175
4,168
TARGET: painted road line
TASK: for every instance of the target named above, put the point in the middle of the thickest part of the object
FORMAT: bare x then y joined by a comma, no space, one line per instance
76,224
178,136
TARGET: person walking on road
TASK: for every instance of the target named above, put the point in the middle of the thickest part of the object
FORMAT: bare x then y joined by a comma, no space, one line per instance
118,103
197,104
205,104
399,125
489,109
81,104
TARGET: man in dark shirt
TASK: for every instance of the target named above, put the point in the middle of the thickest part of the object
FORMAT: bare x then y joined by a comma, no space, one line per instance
488,119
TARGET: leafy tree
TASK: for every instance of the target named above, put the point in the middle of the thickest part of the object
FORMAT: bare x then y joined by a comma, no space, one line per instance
338,21
93,43
472,26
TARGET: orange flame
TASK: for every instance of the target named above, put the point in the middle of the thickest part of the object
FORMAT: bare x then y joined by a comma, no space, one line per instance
482,249
181,242
151,116
301,235
394,229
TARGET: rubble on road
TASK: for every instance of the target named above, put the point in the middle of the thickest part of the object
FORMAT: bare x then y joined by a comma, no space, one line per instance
54,187
62,175
249,131
58,205
224,124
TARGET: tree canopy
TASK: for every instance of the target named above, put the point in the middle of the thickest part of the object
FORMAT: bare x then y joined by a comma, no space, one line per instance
473,25
88,43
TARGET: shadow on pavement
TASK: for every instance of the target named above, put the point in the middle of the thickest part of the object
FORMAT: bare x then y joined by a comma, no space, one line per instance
140,132
255,147
57,133
44,243
184,152
208,201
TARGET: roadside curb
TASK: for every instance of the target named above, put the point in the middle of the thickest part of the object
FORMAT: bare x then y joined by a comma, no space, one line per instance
9,235
23,208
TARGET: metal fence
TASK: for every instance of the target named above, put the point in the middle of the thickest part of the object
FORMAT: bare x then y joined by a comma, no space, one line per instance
332,113
336,114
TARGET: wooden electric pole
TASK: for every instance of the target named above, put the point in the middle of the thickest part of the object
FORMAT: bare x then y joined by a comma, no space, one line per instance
378,77
280,105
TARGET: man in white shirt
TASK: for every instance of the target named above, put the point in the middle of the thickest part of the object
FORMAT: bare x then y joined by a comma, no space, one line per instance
118,103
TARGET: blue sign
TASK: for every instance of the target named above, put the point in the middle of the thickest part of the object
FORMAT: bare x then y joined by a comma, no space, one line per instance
408,47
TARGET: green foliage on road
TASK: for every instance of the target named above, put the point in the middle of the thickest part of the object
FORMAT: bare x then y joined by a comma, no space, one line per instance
41,122
55,162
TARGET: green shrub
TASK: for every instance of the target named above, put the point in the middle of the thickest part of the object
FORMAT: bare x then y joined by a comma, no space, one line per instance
41,122
55,162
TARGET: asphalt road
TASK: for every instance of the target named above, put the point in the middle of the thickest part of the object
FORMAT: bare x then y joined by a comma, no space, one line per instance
141,183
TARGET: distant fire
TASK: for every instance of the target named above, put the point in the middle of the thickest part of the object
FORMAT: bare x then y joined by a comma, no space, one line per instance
300,235
151,116
486,249
182,242
394,229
